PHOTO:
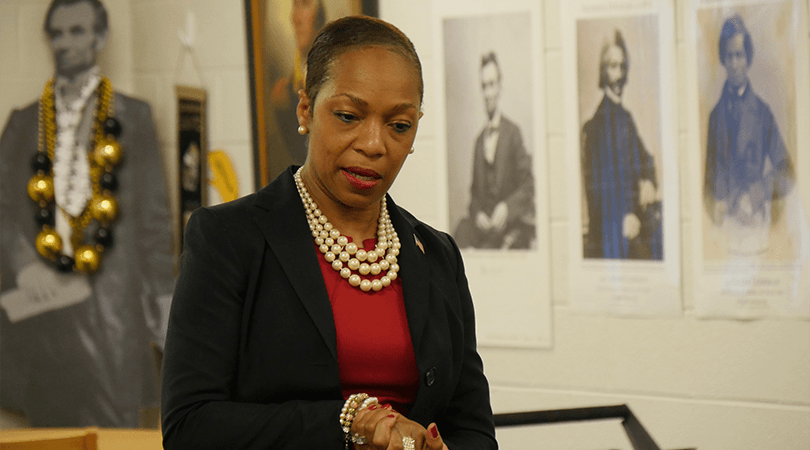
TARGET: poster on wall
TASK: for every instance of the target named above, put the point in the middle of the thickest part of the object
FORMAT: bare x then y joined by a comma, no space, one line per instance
494,140
621,153
280,33
749,148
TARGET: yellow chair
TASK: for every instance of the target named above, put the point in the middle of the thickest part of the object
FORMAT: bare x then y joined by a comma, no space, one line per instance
84,440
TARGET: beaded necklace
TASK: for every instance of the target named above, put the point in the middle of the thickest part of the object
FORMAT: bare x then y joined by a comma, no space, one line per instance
344,256
103,155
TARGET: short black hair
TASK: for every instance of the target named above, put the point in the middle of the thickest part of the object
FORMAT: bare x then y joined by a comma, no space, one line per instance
618,41
101,24
731,27
351,33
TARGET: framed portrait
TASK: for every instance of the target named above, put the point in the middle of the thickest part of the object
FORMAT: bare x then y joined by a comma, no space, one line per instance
279,34
192,149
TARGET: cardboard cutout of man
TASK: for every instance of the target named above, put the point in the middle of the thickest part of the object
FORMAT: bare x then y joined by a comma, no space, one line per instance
618,174
85,240
748,168
501,210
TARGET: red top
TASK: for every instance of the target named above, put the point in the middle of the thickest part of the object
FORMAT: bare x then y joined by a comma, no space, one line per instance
375,352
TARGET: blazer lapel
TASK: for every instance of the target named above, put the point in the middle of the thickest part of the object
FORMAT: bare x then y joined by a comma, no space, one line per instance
281,217
415,277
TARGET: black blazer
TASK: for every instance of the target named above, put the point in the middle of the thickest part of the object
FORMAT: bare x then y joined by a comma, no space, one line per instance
251,355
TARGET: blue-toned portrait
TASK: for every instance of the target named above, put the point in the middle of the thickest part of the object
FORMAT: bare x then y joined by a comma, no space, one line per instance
749,171
619,138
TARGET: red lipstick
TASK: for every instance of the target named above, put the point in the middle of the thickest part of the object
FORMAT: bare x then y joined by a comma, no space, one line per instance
362,178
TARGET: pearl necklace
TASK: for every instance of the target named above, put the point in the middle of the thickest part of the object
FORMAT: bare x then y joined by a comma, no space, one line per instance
344,256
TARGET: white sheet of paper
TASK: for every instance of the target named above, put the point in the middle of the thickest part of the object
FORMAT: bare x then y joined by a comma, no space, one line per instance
40,289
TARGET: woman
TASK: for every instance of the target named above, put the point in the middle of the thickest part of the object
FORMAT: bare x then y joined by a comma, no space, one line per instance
278,336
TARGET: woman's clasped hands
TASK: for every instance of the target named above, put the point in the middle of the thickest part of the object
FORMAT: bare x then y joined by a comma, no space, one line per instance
380,427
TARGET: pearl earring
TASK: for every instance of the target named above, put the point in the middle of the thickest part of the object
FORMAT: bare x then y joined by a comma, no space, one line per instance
411,151
302,130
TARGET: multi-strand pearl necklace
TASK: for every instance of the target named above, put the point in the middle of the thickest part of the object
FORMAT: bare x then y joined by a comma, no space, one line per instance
345,256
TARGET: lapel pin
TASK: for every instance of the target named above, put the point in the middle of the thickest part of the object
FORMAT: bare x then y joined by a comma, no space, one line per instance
419,244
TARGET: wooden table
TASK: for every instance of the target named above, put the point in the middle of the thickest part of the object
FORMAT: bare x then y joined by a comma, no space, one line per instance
108,438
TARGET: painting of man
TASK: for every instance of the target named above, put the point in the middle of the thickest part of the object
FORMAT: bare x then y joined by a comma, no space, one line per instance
281,34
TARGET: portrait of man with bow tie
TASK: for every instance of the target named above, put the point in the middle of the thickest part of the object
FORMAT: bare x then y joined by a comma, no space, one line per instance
501,209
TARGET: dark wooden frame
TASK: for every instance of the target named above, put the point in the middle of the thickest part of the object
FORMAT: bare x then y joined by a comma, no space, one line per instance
267,160
192,126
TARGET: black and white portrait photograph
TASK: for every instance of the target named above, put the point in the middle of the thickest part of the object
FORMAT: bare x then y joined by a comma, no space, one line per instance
620,139
748,131
492,129
490,142
621,151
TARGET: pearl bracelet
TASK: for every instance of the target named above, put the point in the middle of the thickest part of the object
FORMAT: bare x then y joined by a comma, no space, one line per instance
354,404
347,413
368,402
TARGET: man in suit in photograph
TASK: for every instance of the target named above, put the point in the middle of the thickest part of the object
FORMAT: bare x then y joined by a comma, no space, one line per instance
618,173
78,318
501,209
748,169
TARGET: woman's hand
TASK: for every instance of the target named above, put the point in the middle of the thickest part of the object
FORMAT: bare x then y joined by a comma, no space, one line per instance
382,428
372,427
434,439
